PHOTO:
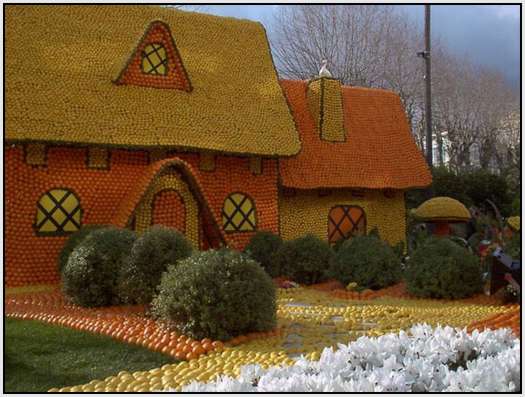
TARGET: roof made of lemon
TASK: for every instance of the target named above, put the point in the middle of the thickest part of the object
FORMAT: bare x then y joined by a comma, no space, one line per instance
61,63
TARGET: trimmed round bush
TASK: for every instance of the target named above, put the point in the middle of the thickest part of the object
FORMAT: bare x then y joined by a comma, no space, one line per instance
150,256
368,261
216,294
89,277
441,268
338,244
305,259
261,248
72,242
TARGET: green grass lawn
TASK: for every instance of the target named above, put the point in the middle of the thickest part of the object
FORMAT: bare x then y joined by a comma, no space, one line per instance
38,357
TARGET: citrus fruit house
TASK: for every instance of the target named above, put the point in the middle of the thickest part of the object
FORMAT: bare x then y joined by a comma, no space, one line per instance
140,115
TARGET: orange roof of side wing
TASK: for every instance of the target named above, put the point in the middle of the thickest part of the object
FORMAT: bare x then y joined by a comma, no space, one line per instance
378,151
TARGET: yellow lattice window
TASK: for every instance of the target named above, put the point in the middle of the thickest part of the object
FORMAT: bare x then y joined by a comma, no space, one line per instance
155,59
238,213
58,212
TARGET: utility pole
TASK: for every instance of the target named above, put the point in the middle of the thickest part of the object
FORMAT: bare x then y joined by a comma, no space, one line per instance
428,96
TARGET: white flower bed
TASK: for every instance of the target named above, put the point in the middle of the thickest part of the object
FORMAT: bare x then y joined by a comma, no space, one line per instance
424,359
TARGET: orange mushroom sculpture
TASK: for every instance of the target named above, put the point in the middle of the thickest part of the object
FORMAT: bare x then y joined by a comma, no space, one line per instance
442,211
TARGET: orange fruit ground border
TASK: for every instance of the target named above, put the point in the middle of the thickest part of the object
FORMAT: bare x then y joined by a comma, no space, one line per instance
124,323
510,319
130,323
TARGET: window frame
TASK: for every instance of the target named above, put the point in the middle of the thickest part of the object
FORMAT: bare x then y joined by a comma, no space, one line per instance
48,215
144,56
237,209
337,230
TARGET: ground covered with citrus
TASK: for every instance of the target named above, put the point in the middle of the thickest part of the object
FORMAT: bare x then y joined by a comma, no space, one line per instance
309,319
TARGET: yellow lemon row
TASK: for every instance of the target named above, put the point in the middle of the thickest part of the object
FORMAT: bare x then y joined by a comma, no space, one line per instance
30,288
312,321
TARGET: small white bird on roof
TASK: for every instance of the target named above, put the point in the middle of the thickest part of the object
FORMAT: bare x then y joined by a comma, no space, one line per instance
324,72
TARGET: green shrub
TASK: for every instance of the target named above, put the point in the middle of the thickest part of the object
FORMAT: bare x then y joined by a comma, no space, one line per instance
368,261
512,245
374,232
515,208
90,275
399,250
482,185
338,244
470,188
72,242
305,259
446,183
441,268
261,248
216,294
150,256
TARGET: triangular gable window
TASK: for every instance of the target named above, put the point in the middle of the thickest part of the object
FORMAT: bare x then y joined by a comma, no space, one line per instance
156,62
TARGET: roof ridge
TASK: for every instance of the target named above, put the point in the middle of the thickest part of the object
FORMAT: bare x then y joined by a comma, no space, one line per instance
345,87
204,14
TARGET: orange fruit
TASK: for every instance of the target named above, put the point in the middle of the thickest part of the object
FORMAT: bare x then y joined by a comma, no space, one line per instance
217,344
242,338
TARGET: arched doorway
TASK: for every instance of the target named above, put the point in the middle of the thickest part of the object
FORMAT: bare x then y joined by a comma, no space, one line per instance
168,210
169,202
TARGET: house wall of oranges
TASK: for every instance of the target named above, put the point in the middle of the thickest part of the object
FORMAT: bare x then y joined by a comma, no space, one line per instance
306,211
31,259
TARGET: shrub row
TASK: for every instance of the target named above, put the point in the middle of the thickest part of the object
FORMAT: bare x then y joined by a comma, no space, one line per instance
367,260
102,266
225,293
213,294
438,268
